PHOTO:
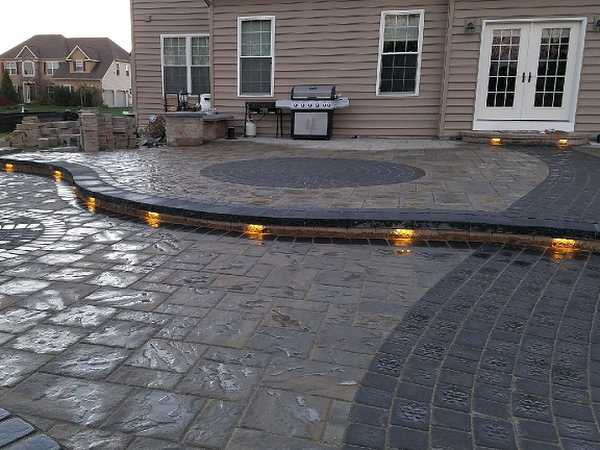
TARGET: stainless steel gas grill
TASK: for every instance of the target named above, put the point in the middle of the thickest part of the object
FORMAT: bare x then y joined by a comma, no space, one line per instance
312,108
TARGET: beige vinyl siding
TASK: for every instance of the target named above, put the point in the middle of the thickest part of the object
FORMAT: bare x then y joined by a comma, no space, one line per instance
167,17
334,43
464,60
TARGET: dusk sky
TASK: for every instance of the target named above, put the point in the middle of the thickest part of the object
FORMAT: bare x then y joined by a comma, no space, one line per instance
71,18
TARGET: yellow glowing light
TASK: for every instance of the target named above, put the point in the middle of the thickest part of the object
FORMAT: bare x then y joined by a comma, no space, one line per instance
496,141
253,228
57,175
153,219
9,167
563,142
403,233
91,204
563,244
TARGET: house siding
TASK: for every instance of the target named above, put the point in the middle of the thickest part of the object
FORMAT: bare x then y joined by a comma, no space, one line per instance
167,17
115,87
334,43
464,61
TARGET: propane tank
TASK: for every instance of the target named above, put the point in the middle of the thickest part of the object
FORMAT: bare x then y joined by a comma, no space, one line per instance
250,128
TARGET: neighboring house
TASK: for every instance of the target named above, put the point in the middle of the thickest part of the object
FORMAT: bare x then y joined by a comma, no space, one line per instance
44,62
410,68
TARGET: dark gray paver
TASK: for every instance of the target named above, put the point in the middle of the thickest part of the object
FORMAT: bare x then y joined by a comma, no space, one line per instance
503,370
311,173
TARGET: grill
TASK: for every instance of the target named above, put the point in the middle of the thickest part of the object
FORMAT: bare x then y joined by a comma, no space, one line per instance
312,110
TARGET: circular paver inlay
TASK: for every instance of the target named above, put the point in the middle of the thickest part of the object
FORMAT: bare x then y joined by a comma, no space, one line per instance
312,173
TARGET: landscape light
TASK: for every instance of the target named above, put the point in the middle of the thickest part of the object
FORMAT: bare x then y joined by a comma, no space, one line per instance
153,219
253,228
563,244
403,233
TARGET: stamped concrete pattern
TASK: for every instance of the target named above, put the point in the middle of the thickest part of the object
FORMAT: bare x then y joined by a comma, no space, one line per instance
120,335
460,178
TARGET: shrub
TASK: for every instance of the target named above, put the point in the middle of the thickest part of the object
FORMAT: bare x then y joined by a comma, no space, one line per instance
6,88
5,102
156,127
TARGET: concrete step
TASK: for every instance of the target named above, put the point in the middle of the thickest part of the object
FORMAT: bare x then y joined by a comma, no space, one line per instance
527,138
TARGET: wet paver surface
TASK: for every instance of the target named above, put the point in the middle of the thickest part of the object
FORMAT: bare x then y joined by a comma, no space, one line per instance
118,335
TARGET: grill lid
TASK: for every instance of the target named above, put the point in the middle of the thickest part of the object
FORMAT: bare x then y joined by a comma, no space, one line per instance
313,93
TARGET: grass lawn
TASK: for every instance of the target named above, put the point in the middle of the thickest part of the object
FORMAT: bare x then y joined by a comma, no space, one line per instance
51,108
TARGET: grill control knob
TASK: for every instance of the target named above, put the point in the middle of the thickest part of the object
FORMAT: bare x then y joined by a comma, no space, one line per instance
310,105
295,105
303,105
316,105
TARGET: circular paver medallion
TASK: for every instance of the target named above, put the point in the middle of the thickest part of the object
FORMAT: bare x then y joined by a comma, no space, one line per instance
312,173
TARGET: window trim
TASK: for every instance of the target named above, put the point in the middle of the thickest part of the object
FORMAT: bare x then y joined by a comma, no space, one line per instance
118,69
77,61
23,69
53,69
13,66
68,86
127,70
239,55
421,13
188,58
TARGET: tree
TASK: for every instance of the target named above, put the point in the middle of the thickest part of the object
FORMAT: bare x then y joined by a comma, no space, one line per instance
6,88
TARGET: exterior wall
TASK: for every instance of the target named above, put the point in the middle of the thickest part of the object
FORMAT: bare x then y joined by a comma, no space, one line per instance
117,86
332,42
78,54
150,19
464,61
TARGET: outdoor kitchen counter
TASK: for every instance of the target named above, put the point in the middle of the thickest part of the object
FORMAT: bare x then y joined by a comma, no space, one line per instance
192,128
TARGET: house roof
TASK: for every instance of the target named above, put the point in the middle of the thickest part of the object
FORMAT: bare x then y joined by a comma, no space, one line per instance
58,47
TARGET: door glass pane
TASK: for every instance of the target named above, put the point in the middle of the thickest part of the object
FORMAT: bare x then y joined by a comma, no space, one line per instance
552,67
504,60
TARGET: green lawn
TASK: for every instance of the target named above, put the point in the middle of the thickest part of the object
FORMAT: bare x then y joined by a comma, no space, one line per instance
49,108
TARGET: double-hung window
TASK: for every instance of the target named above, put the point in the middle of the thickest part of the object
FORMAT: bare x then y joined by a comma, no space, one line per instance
256,39
28,69
186,64
400,46
79,65
51,67
10,67
118,69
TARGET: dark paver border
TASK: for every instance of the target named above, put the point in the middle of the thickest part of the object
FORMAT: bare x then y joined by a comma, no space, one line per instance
369,223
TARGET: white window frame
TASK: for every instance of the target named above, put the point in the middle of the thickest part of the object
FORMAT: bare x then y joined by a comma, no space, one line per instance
127,70
50,90
239,55
188,57
118,69
11,67
51,65
68,86
23,69
421,13
78,69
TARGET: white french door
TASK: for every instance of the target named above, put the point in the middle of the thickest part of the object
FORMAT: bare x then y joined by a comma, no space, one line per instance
528,73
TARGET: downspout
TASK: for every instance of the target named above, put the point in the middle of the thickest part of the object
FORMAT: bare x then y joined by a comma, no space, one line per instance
133,73
446,70
211,52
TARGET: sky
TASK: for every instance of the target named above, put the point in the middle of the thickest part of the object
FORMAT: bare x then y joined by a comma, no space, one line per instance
71,18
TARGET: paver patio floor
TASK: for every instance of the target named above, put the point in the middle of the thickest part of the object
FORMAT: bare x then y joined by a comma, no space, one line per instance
117,335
